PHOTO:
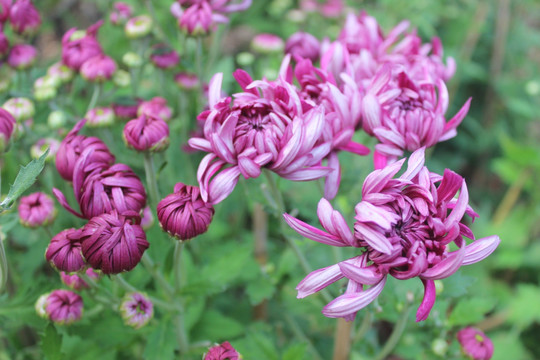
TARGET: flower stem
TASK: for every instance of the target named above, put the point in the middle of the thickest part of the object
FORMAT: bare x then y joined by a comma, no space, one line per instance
3,259
183,341
178,264
151,181
396,334
95,96
342,340
149,264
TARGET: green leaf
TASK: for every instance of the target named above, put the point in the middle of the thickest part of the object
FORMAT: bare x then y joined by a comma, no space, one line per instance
259,290
469,311
51,343
161,342
217,327
295,352
25,178
524,307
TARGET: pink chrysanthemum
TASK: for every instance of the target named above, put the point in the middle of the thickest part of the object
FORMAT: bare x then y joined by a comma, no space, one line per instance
36,209
405,226
136,310
475,344
63,307
223,351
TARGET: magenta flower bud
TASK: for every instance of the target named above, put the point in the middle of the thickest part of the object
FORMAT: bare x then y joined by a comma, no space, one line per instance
64,307
24,17
126,108
121,13
147,133
224,351
42,145
114,243
475,344
332,8
302,45
4,44
36,209
7,125
147,219
77,283
72,147
267,43
102,190
136,310
64,251
5,6
79,46
184,214
164,57
156,107
100,117
98,68
197,20
22,56
186,81
61,72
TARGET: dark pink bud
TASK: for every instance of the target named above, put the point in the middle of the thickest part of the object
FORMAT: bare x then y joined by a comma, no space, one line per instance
79,46
64,307
475,344
184,214
186,81
104,190
36,210
4,44
121,13
164,57
22,56
98,68
7,123
114,243
126,108
24,17
224,351
75,282
303,45
64,251
73,145
147,133
156,107
5,5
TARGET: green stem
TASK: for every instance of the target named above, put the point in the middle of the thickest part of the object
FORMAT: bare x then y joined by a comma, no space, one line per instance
3,259
130,288
291,242
396,334
151,181
95,97
150,266
183,340
178,264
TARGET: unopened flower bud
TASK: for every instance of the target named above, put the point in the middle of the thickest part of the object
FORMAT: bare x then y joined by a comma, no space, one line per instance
136,310
186,81
126,108
121,78
60,71
40,305
98,68
64,251
36,209
164,57
121,13
64,307
156,107
7,127
138,26
147,133
76,282
184,214
132,60
22,56
80,45
245,58
439,347
56,119
100,117
24,17
21,108
47,81
302,45
475,344
44,93
267,44
42,145
223,351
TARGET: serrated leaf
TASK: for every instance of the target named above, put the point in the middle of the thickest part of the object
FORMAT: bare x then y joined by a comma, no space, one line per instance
51,343
161,342
25,178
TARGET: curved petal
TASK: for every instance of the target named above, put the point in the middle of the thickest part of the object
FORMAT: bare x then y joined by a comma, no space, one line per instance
427,302
363,275
318,280
312,232
480,249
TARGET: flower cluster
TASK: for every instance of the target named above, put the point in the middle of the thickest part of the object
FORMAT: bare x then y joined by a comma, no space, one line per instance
404,227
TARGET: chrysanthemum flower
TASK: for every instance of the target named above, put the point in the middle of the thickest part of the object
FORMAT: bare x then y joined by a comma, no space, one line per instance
36,209
147,133
223,351
475,344
63,307
405,226
64,251
136,310
24,17
75,282
79,46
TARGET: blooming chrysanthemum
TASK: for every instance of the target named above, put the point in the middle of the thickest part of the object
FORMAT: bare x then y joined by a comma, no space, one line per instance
405,226
267,129
36,209
79,46
113,242
475,344
184,214
136,310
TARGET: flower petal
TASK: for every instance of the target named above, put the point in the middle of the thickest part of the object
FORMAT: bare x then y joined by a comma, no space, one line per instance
427,302
480,249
